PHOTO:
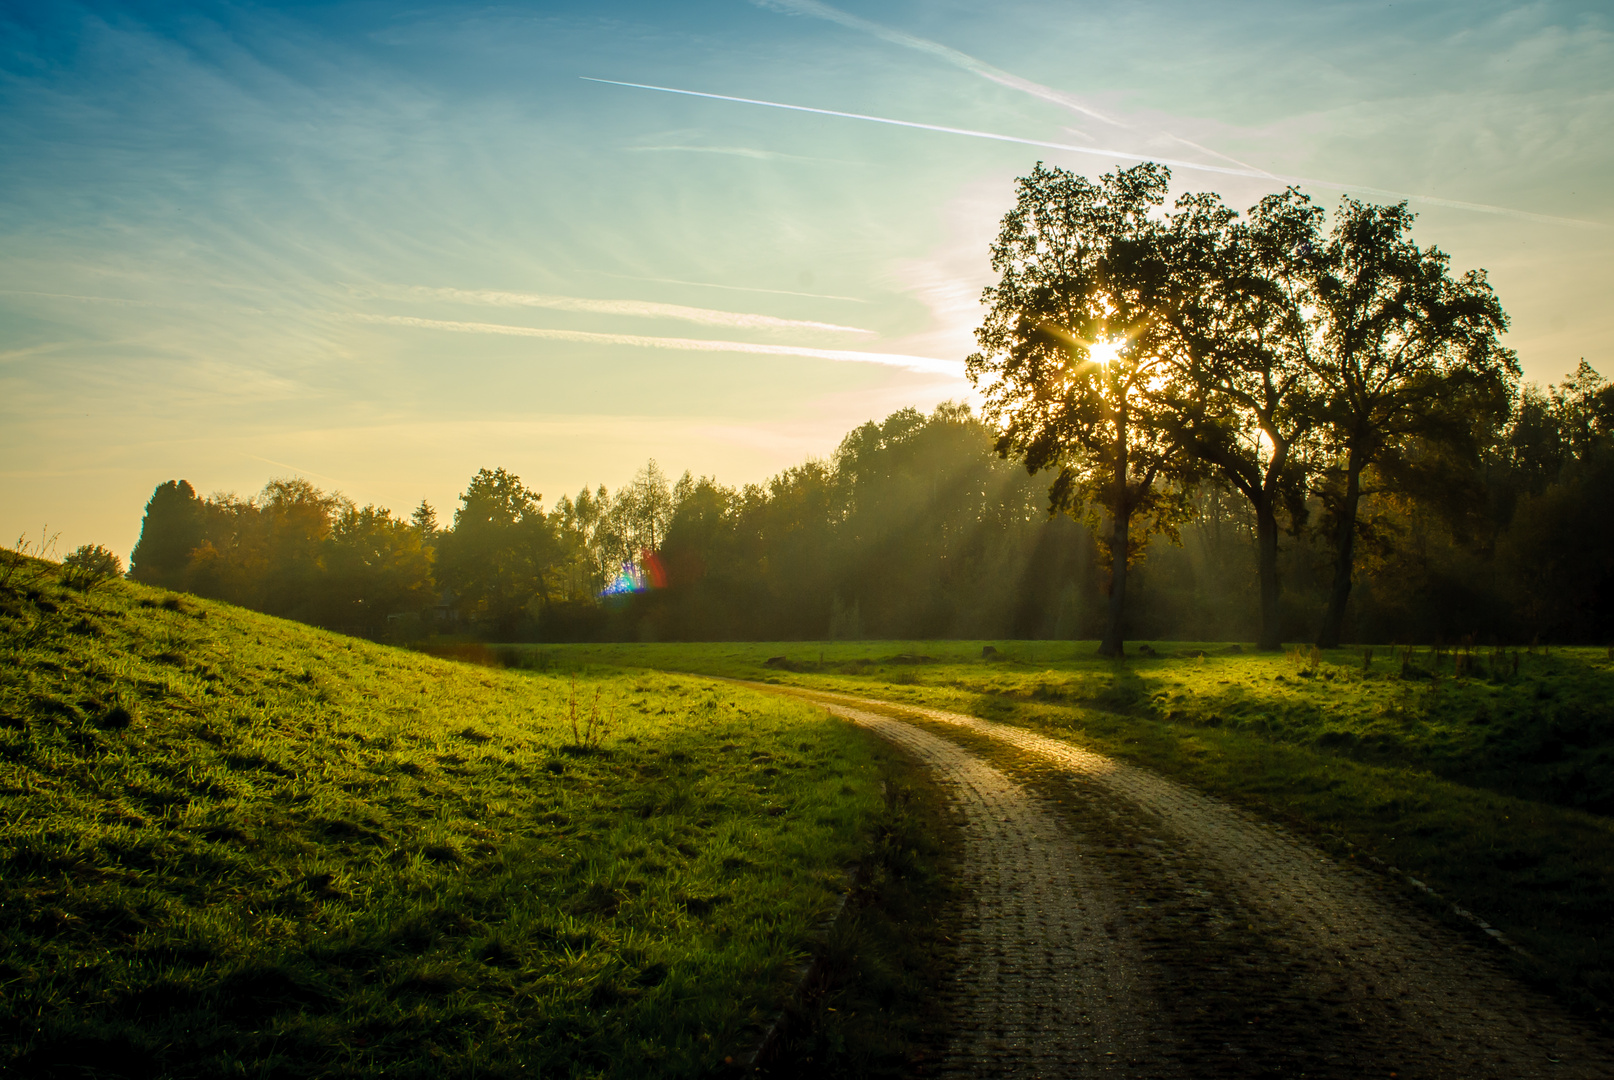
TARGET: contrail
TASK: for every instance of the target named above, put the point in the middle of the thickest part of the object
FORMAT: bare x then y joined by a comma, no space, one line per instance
642,309
1121,154
293,468
1124,155
737,151
927,365
971,64
937,49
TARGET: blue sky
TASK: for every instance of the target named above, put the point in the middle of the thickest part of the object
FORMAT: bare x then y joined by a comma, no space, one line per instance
383,246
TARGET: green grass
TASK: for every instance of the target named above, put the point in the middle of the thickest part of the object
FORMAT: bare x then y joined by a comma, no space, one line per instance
868,1007
1495,788
233,845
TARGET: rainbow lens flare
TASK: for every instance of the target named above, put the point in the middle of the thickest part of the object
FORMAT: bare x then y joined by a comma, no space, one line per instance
641,575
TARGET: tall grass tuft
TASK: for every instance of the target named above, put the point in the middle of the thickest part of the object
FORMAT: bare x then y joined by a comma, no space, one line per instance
592,730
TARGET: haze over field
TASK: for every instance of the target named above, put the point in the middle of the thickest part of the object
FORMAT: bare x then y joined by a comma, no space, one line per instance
383,248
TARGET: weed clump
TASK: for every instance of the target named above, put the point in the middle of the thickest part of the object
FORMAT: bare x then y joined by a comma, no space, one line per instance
89,565
590,731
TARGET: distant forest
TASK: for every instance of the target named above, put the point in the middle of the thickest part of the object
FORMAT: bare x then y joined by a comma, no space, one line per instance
916,528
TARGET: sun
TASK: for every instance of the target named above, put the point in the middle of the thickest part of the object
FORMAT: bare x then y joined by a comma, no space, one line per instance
1105,351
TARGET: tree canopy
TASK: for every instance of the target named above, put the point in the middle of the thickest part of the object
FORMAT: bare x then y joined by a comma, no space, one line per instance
1076,367
1246,397
1403,352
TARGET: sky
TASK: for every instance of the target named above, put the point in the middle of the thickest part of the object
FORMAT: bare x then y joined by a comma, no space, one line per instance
382,246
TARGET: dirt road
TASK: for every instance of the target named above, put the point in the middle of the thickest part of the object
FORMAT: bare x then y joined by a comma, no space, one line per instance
1118,924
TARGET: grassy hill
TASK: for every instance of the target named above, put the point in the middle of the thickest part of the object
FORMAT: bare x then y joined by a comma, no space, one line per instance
233,845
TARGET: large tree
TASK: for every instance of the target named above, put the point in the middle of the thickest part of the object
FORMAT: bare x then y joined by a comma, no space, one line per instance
641,513
1404,353
1077,369
294,522
174,527
501,553
376,566
1248,398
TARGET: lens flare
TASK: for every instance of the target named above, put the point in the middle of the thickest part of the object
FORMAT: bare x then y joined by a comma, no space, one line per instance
1102,352
638,575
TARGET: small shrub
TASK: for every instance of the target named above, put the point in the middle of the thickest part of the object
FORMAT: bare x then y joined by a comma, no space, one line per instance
89,565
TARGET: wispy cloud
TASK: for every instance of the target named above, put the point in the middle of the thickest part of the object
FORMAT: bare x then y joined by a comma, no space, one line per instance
80,297
730,288
30,350
1128,155
936,49
977,66
926,364
735,151
638,309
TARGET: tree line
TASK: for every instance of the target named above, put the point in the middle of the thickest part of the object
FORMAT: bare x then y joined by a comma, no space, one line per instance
1266,426
916,528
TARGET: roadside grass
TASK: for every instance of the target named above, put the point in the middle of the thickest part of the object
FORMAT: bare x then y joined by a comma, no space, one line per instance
1495,787
234,845
868,1006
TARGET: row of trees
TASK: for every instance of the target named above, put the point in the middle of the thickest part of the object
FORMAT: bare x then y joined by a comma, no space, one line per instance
1140,354
299,552
1270,398
916,528
292,550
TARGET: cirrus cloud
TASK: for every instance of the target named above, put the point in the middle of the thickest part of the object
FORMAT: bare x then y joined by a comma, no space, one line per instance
924,364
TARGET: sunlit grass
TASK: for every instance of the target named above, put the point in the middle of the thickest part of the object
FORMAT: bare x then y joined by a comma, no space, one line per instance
236,845
1496,787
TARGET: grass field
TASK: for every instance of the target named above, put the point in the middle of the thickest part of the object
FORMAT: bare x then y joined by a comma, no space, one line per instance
1493,785
233,845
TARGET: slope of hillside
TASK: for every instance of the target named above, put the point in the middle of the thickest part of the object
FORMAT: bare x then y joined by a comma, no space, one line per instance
236,845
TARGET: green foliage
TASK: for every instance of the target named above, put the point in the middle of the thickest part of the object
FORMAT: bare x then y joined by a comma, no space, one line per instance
916,528
1248,400
89,565
500,548
232,844
171,531
292,550
1082,273
1405,354
914,524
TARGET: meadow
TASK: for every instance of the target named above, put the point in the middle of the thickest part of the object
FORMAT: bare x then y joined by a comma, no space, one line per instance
1487,775
235,845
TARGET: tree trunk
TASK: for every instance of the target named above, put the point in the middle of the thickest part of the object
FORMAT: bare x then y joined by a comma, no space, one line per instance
1266,547
1344,558
1120,519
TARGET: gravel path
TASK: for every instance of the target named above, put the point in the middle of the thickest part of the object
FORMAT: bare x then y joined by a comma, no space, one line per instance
1043,984
1119,924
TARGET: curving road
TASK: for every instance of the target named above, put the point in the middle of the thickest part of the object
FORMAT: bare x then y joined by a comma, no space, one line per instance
1118,924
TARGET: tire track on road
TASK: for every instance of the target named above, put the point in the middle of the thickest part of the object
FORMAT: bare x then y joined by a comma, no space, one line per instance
1380,987
1044,983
